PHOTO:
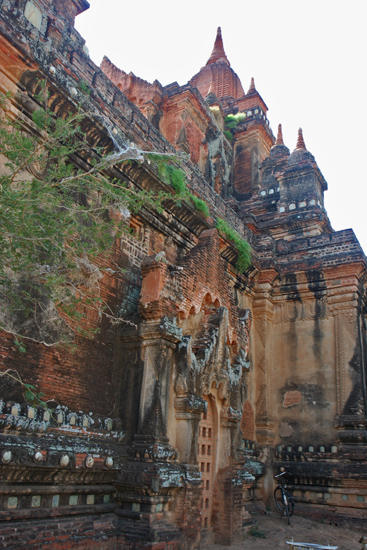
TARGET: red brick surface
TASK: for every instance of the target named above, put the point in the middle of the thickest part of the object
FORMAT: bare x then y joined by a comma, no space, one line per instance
292,398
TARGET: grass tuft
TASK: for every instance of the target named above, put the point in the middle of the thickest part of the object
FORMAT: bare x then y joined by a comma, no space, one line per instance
242,246
232,121
176,178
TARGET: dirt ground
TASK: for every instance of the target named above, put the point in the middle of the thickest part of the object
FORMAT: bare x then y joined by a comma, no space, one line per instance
271,531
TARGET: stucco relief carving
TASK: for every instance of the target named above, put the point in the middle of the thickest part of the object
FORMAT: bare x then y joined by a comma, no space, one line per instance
339,362
345,337
260,329
263,352
307,310
260,404
269,375
261,364
245,316
149,380
157,369
205,356
355,403
349,322
181,386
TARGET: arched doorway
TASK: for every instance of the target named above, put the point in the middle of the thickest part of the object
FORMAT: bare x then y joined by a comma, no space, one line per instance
206,460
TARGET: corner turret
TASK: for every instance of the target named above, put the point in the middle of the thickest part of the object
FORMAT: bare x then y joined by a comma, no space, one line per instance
301,193
252,99
254,140
272,166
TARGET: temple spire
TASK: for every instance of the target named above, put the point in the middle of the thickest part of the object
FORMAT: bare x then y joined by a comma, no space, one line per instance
252,88
279,140
300,142
218,53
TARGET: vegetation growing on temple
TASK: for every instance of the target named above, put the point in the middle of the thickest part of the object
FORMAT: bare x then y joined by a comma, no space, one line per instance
58,224
242,246
175,177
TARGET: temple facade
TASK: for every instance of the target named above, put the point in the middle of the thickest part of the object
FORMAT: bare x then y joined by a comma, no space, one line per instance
166,431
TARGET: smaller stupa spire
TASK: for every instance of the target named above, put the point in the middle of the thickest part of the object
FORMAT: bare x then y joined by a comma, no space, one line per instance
300,142
218,53
279,140
279,149
252,88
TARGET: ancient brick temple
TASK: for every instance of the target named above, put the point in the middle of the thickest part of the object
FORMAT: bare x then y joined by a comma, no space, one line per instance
166,432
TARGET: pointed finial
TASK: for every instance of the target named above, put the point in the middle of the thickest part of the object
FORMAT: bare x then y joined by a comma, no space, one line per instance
300,141
279,140
218,52
252,86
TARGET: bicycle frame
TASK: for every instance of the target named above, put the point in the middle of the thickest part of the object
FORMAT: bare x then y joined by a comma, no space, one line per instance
283,501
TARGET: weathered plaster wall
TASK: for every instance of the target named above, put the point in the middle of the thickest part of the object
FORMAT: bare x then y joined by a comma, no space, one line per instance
304,385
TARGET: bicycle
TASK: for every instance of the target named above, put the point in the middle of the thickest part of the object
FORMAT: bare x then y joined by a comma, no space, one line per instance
284,502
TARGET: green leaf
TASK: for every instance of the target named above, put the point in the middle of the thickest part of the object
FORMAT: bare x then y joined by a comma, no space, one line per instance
20,346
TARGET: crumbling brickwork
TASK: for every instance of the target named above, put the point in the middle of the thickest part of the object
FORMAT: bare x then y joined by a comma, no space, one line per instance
162,430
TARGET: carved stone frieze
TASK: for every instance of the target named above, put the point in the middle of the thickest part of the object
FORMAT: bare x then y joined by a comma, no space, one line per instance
343,302
190,406
352,437
351,420
151,476
24,418
151,451
305,310
58,476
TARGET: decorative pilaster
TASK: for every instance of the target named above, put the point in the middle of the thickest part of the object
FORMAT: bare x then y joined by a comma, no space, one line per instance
147,483
263,315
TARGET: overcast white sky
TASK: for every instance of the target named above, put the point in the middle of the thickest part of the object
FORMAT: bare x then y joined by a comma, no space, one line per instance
308,58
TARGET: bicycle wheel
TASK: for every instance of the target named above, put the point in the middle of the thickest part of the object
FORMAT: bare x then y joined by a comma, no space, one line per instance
278,497
284,503
286,507
290,506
